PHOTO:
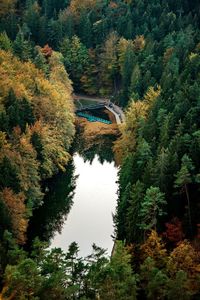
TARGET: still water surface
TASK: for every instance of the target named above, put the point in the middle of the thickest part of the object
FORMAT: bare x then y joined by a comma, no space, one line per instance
90,218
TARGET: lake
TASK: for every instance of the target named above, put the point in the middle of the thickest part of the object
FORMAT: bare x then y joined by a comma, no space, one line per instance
90,219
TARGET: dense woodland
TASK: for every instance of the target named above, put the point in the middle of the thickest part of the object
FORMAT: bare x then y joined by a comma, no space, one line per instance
145,56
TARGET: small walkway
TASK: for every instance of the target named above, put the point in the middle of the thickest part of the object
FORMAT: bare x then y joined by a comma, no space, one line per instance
117,112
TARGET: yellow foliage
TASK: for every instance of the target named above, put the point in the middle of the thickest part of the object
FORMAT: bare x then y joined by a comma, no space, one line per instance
151,95
122,46
127,141
76,6
193,56
51,101
136,112
154,248
183,257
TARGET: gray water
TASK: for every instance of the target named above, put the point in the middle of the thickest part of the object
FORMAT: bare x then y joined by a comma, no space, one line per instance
90,219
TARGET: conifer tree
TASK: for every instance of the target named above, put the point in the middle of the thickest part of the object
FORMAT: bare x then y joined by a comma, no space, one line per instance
22,47
183,179
152,207
5,42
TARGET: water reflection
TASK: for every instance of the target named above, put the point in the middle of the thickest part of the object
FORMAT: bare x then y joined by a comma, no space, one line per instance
50,217
90,219
100,147
89,182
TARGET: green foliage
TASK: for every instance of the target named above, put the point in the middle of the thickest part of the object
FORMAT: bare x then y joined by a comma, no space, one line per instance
8,175
119,282
19,112
164,145
155,280
23,280
53,274
133,220
146,54
75,58
41,62
22,47
183,177
151,208
5,42
179,287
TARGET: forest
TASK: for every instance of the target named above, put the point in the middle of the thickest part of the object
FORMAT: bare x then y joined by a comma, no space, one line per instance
145,56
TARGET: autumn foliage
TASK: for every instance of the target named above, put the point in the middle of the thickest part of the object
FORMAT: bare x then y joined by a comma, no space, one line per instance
15,204
36,121
47,51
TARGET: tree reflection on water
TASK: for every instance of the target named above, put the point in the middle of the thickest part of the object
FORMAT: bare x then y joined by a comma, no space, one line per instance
48,219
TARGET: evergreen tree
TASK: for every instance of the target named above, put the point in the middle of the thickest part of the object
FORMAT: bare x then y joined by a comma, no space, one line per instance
126,73
5,42
183,179
22,47
41,62
151,208
118,281
9,175
75,58
133,220
85,29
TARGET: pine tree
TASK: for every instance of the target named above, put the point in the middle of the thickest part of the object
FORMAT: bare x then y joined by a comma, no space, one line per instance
85,29
119,282
32,19
127,70
183,179
5,42
41,63
22,47
152,208
9,175
133,232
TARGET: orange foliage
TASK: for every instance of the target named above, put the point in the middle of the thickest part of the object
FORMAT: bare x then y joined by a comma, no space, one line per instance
17,212
47,51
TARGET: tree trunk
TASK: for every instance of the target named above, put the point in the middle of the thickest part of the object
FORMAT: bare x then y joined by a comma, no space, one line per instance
189,211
